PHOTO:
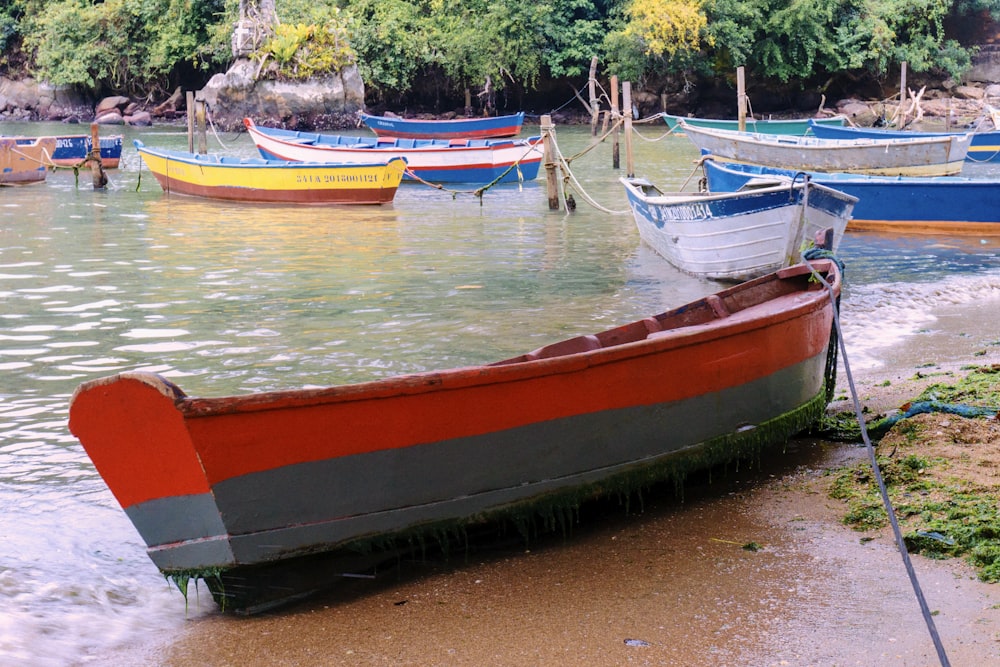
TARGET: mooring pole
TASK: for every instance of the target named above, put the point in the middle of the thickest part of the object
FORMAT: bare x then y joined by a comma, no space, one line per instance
741,98
902,95
98,177
551,182
615,150
594,106
199,104
627,106
189,106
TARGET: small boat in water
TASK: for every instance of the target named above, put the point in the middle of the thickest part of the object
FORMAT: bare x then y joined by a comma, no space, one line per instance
985,145
909,205
895,156
486,127
24,163
266,496
431,160
72,149
790,127
273,181
737,235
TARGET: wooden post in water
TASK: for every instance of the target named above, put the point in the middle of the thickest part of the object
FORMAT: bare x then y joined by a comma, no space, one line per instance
741,98
551,182
627,106
189,106
98,177
199,105
594,106
902,95
615,150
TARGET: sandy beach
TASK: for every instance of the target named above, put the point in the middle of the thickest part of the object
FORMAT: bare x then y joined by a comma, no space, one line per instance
665,581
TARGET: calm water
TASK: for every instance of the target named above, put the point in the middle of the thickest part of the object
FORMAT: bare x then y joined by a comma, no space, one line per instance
226,298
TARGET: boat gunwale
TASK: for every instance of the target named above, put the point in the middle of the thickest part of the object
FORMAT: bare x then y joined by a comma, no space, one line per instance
443,121
779,185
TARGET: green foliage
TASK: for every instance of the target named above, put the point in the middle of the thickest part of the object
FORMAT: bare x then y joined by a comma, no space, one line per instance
392,42
658,36
571,29
303,50
116,45
399,45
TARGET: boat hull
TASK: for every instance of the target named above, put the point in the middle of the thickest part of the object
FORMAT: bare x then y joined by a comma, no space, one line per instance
736,236
25,163
790,127
222,485
272,181
944,204
985,146
72,149
489,127
465,161
912,156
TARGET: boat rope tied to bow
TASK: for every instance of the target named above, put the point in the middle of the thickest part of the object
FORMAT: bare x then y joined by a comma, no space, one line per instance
883,492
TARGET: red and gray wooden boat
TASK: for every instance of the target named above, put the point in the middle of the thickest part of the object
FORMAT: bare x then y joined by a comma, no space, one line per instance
486,127
236,489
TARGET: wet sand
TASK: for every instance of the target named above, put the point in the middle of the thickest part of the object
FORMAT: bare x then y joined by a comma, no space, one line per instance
665,583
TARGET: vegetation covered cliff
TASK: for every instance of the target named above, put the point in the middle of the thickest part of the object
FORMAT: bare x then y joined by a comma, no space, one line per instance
444,54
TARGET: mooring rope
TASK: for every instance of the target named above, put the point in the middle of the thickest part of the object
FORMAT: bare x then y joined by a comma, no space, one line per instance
568,175
480,191
886,502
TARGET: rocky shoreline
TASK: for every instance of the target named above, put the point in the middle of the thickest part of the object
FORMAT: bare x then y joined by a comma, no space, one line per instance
307,107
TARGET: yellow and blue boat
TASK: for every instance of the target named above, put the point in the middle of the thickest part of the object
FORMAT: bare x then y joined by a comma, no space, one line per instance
273,181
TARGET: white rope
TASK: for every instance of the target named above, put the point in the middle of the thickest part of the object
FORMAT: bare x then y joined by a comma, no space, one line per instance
568,176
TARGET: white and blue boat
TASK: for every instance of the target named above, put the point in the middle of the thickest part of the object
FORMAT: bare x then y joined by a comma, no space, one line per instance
936,204
737,236
431,160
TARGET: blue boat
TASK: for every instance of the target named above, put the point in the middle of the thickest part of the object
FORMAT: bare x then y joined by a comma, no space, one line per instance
72,149
985,146
487,127
928,205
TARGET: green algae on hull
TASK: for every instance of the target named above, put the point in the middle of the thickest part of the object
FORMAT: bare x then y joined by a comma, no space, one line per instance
240,589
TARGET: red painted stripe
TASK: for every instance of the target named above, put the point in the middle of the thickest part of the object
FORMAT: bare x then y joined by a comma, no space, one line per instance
343,424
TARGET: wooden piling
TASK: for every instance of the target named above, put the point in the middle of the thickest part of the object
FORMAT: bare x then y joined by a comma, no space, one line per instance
627,106
595,106
199,105
98,177
741,98
189,106
615,150
548,159
902,95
